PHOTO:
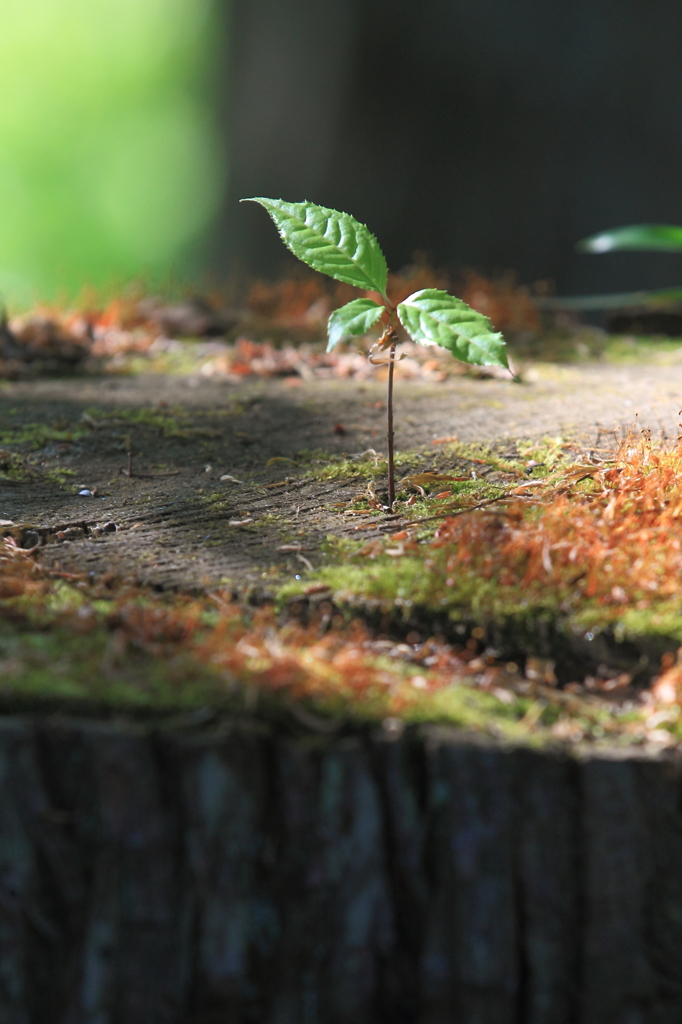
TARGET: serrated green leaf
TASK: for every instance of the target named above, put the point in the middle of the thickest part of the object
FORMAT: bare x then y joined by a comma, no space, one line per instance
356,317
333,243
432,315
642,237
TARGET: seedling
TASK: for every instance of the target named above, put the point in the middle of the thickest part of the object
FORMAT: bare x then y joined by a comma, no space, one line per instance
634,238
638,238
338,245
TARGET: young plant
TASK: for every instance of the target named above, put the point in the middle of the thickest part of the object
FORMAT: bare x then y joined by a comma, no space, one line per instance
338,245
639,238
634,238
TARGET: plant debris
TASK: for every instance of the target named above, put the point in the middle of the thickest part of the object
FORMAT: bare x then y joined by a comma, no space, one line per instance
276,331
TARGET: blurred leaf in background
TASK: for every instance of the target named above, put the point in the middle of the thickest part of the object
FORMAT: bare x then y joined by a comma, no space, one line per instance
111,163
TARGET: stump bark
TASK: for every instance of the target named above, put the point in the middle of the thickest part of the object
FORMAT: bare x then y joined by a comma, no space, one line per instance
239,875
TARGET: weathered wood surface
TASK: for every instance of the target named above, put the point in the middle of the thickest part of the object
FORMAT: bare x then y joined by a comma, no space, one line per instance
237,876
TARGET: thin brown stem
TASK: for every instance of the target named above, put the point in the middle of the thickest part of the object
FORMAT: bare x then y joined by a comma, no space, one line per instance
389,432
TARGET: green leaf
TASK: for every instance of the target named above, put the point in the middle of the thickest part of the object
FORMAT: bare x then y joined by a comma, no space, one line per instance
435,316
661,237
356,317
616,300
333,243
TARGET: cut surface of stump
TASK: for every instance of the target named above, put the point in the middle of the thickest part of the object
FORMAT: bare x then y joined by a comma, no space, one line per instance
173,516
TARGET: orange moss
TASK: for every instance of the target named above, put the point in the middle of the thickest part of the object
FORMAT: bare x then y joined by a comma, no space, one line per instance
610,533
322,660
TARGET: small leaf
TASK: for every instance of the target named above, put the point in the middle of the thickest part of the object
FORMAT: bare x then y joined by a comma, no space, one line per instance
642,237
356,317
435,316
333,243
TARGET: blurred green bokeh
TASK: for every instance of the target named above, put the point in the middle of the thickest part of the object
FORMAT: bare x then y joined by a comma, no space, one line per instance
111,163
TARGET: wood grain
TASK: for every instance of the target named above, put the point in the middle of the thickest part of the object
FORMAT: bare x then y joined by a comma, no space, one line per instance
240,875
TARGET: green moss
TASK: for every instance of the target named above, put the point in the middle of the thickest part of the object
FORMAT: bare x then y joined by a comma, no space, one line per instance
589,344
182,360
481,454
16,468
66,653
59,475
69,670
642,349
460,705
366,465
271,519
35,436
397,586
340,468
549,452
168,421
62,665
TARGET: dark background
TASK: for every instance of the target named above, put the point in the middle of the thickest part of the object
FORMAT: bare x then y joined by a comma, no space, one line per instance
491,133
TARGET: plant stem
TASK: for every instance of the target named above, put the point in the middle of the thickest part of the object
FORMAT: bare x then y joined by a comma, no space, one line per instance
389,432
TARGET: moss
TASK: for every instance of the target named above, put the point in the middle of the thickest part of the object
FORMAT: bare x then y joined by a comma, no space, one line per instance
138,652
71,670
271,519
642,349
35,436
173,422
399,585
59,475
60,665
567,562
181,360
588,344
345,468
16,468
366,465
522,719
549,452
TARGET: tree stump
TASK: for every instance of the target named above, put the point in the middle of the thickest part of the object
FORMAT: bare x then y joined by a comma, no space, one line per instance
237,874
